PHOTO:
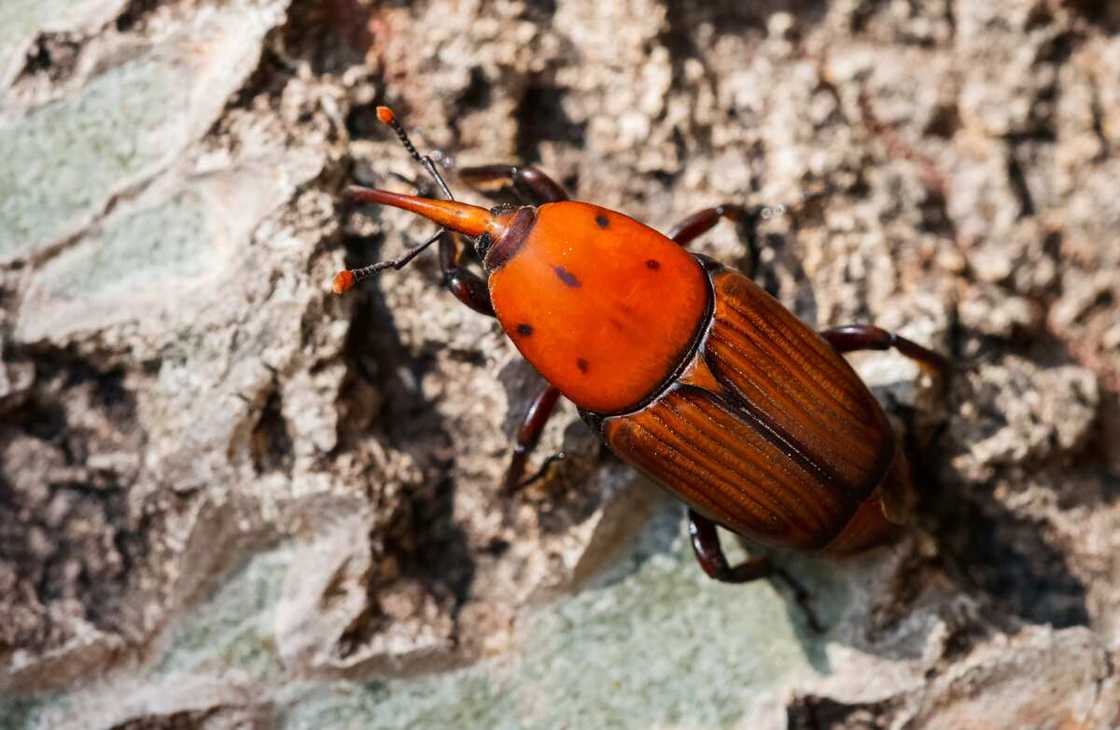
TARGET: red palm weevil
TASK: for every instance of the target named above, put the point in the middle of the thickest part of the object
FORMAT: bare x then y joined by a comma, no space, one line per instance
686,369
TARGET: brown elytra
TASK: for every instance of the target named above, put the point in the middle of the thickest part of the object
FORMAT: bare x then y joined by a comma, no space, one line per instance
768,432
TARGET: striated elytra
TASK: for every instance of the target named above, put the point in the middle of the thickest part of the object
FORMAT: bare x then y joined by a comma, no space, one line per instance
686,369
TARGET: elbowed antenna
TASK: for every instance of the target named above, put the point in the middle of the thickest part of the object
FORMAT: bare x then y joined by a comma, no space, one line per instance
387,117
468,219
345,280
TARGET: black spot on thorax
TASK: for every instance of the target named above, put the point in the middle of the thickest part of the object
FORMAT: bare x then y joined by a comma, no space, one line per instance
566,276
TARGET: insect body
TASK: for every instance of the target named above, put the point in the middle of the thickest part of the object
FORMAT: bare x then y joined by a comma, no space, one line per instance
686,369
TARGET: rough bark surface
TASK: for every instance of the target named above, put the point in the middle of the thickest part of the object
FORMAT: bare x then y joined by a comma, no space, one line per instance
231,499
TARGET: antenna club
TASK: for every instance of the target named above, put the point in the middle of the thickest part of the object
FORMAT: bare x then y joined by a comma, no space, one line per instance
385,114
343,282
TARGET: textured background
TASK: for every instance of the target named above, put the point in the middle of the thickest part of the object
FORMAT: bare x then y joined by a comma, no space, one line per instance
229,499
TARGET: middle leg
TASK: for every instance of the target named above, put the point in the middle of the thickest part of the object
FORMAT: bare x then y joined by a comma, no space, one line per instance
540,410
705,220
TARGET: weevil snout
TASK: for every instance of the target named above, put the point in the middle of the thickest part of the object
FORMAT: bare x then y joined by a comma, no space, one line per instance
490,228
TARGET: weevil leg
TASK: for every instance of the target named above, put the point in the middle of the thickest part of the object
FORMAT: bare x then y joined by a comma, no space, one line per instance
541,471
467,286
709,553
705,220
528,435
527,182
855,337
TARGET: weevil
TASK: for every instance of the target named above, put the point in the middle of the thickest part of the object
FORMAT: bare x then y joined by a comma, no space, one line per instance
685,368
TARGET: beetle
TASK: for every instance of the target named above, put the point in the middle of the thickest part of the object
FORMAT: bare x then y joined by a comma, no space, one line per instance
685,368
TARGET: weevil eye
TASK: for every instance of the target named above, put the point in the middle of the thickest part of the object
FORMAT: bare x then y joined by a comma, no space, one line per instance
502,209
485,241
482,245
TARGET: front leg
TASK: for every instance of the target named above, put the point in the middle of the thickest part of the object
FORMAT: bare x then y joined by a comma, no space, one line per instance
528,182
467,286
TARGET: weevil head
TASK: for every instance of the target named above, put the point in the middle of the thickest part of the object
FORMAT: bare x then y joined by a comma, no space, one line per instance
496,250
499,232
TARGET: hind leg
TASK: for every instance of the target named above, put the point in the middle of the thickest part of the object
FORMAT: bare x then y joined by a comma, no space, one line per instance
709,553
856,337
